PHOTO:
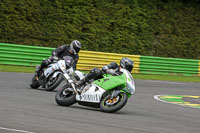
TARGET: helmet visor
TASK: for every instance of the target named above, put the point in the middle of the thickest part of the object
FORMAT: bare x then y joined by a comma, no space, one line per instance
77,49
129,68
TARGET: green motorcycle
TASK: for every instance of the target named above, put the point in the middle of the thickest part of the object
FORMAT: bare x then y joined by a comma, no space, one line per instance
109,93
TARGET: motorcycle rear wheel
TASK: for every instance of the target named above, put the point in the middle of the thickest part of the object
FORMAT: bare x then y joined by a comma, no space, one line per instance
109,105
34,83
51,85
65,97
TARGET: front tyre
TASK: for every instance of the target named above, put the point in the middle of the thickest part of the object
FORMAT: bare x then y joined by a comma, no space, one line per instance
53,83
109,105
34,83
65,97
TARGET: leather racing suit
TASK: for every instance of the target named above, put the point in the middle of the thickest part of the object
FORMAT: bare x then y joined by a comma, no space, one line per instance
57,54
96,73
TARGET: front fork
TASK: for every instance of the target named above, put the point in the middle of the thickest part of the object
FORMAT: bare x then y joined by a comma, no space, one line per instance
115,93
71,82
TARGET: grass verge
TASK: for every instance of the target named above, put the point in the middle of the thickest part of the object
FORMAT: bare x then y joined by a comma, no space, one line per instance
8,68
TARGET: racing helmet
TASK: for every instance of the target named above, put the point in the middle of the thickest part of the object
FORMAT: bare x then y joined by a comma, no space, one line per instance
127,63
75,46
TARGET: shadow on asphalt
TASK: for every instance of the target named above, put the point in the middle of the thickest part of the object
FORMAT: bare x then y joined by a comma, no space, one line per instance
80,107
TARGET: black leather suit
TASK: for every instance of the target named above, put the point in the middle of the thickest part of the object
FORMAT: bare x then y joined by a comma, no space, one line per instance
62,51
59,52
96,73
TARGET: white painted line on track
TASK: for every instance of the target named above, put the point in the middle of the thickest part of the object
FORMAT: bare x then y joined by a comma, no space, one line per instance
15,130
156,97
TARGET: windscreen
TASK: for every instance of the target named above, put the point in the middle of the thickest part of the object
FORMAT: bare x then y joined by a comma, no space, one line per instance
69,61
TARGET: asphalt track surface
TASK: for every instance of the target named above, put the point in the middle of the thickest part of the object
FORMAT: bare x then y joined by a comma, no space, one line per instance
25,110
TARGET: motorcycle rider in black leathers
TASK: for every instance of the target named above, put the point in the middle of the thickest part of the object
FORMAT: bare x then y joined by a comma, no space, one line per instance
112,68
59,53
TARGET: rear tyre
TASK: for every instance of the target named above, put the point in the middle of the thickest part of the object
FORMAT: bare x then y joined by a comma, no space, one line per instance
53,83
34,83
65,97
109,105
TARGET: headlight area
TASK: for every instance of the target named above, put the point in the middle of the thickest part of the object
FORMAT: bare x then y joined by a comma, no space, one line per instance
130,88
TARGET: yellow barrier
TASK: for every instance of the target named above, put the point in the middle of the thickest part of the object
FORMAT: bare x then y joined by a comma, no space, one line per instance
32,55
23,55
90,59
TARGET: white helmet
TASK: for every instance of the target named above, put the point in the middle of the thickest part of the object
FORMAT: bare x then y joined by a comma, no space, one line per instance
75,46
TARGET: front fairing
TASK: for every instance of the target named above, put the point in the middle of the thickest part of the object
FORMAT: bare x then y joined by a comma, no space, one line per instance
125,82
109,82
60,65
130,85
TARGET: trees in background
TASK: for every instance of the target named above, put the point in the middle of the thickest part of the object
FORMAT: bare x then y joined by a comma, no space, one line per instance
146,27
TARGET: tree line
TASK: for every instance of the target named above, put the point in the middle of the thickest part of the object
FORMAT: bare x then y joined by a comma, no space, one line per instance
165,28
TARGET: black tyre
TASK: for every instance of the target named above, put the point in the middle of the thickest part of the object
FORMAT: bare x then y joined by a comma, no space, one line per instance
112,105
53,83
34,83
65,97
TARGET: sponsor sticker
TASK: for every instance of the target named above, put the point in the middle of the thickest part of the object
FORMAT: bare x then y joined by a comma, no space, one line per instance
90,97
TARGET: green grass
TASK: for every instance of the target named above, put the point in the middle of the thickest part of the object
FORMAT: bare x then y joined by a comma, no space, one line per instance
8,68
167,77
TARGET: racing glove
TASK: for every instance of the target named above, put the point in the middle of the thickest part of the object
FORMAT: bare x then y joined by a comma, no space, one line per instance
104,69
54,58
111,71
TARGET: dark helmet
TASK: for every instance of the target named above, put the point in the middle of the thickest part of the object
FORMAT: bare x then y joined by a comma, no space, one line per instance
75,46
127,64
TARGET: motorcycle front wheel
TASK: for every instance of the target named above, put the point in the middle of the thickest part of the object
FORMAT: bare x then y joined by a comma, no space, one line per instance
53,83
109,105
65,97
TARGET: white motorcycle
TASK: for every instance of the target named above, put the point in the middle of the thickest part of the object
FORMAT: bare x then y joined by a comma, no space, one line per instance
52,76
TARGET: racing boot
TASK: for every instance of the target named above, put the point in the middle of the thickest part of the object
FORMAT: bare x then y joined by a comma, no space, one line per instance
37,71
79,85
94,73
39,68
